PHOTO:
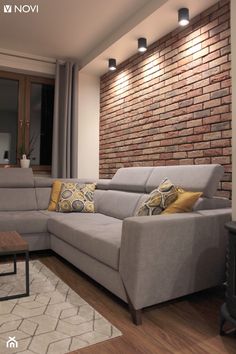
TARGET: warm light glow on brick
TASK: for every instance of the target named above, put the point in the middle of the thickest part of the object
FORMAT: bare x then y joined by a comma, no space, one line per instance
122,82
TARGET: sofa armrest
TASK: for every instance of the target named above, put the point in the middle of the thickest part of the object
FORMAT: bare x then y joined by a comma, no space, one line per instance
167,256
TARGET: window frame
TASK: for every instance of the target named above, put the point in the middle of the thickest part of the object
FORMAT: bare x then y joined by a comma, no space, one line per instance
25,82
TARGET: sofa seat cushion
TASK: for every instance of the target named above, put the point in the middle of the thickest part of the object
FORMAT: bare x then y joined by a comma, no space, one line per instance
97,235
24,222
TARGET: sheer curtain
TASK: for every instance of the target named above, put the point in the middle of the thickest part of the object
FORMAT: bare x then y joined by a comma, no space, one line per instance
65,121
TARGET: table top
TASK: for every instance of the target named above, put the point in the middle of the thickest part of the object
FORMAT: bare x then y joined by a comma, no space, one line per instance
11,241
231,226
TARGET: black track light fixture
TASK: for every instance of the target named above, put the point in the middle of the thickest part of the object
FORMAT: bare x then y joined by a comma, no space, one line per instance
142,45
183,16
112,64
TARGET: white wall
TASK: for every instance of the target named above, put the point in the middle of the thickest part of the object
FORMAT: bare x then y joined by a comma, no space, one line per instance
233,49
88,126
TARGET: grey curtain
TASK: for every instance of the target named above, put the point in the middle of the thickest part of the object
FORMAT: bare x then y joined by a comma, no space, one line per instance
65,121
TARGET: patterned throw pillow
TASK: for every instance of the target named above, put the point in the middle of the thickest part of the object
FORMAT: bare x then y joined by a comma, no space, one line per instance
159,199
76,197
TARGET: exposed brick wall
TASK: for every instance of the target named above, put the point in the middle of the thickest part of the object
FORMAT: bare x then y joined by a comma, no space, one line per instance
172,105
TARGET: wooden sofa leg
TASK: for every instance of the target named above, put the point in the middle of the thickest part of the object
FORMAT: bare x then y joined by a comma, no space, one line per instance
136,315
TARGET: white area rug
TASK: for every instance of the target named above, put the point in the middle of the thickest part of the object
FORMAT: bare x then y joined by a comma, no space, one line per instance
53,319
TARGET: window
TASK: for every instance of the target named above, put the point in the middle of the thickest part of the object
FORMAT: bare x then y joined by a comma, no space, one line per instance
26,119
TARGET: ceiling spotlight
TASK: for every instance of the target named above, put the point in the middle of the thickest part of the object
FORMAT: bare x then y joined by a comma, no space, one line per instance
112,64
183,16
142,45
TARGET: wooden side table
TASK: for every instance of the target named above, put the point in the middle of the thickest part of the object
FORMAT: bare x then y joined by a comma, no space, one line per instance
11,243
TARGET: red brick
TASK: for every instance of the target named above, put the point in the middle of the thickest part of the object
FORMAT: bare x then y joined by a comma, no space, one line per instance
225,50
202,114
220,143
220,77
225,34
211,88
176,107
219,45
221,160
202,145
202,160
219,29
227,186
220,93
218,61
227,151
209,25
212,119
202,98
226,100
212,152
186,103
220,126
197,153
201,53
227,134
185,147
212,103
194,123
212,136
212,56
179,155
186,162
202,129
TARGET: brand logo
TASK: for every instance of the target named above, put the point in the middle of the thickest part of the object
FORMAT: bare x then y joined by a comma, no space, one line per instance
7,8
21,9
12,342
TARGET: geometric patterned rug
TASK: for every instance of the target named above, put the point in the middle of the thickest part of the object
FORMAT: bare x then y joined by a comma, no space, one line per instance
53,319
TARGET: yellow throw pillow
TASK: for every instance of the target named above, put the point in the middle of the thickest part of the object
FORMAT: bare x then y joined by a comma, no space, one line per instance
76,197
184,203
159,199
55,194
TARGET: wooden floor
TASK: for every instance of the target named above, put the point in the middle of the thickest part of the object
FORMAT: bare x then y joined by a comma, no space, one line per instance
187,326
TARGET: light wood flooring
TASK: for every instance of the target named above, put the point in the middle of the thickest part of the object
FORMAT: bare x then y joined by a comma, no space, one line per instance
187,326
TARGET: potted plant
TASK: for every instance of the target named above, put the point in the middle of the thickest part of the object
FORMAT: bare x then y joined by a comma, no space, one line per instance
25,153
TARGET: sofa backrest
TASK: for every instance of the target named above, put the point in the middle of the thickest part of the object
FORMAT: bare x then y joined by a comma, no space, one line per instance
118,197
201,178
43,187
131,179
118,204
197,178
17,190
128,187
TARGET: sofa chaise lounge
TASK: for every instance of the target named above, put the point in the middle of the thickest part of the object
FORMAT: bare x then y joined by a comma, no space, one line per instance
143,260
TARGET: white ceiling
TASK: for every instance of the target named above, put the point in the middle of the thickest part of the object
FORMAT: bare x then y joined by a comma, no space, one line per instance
91,31
64,28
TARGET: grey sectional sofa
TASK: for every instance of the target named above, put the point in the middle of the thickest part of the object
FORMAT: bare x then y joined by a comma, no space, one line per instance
143,260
